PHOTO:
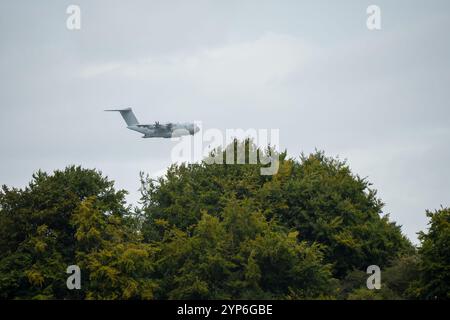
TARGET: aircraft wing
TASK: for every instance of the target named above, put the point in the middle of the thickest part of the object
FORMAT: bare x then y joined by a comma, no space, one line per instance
150,126
163,126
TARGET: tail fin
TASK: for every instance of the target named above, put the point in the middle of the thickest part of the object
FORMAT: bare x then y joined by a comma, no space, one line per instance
127,115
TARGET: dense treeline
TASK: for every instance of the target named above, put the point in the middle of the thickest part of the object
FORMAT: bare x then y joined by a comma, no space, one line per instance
216,231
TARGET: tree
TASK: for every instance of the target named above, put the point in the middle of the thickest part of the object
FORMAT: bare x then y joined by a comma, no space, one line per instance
398,281
37,237
241,256
216,231
117,264
435,257
316,195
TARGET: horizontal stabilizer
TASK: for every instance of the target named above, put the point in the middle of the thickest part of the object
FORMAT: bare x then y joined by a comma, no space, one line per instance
126,109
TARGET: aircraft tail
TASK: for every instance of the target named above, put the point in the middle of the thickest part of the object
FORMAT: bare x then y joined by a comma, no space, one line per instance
127,115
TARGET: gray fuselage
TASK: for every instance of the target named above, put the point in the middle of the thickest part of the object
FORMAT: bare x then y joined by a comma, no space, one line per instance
157,130
169,130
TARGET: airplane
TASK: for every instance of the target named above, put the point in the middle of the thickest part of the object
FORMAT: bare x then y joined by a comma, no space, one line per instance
157,130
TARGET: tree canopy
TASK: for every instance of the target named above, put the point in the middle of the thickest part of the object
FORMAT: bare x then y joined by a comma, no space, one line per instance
317,196
216,231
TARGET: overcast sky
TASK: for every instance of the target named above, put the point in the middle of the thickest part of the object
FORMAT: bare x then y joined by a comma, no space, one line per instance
311,69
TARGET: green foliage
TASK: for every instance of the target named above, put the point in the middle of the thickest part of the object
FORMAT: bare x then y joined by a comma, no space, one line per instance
43,230
118,264
242,256
317,196
397,281
435,257
326,203
401,276
365,294
216,231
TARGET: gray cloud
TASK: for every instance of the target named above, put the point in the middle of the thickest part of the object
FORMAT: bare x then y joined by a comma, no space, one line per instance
313,70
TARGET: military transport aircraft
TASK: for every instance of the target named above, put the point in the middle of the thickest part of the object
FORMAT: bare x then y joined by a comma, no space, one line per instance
157,130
